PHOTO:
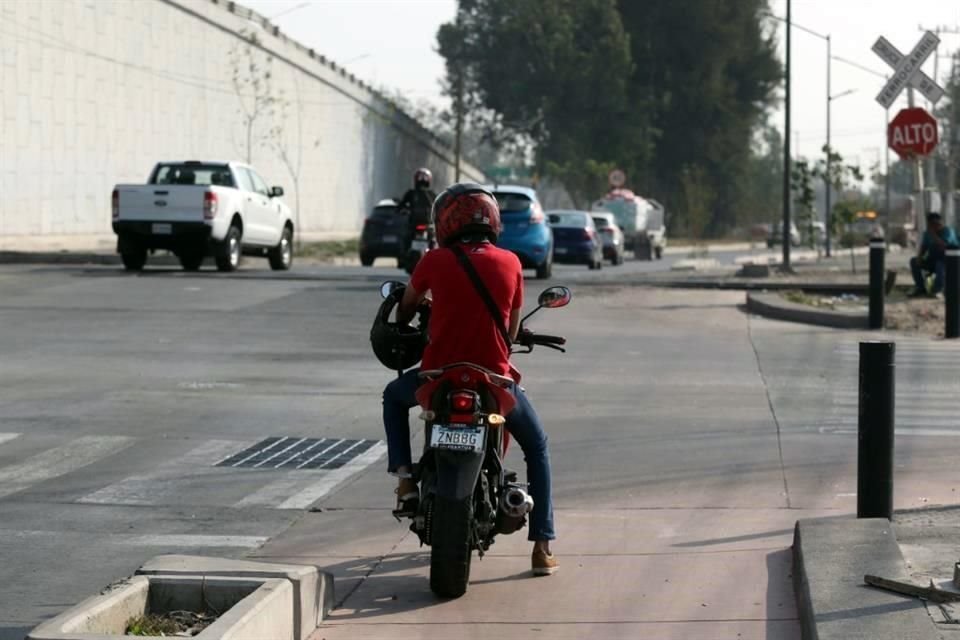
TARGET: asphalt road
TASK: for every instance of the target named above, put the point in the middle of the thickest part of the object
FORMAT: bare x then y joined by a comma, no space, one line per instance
686,440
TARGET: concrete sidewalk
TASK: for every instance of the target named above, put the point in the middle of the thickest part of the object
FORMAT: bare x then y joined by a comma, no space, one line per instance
624,573
832,555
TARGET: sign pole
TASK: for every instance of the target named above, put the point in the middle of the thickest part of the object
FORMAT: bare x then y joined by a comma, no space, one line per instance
919,209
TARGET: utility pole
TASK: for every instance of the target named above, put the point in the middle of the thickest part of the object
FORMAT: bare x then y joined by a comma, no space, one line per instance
932,179
458,107
953,144
827,178
458,131
786,154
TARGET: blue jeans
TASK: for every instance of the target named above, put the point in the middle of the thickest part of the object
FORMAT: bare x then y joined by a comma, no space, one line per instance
522,423
934,265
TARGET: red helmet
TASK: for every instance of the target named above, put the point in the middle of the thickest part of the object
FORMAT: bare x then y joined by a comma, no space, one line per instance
422,177
463,209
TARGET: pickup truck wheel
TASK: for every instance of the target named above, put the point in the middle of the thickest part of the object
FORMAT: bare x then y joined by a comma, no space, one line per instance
281,256
134,258
228,253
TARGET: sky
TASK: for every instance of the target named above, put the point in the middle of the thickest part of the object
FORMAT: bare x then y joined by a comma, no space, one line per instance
393,43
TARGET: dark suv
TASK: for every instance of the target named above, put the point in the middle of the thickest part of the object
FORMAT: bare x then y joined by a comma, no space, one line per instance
384,233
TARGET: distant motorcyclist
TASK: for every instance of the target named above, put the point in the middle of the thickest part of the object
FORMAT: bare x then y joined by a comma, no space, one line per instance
417,202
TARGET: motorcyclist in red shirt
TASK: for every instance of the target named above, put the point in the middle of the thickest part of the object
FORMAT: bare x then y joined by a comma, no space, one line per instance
462,329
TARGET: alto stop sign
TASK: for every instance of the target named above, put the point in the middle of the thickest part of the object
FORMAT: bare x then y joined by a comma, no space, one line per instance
913,132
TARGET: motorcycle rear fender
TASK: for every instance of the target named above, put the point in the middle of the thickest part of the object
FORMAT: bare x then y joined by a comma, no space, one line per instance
457,473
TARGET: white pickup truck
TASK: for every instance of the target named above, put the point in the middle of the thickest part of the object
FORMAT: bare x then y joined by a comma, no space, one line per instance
196,209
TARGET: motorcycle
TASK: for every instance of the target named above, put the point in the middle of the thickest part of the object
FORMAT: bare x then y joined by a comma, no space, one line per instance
467,496
421,241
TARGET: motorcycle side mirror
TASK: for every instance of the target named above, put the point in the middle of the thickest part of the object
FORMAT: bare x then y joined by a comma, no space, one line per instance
389,287
554,297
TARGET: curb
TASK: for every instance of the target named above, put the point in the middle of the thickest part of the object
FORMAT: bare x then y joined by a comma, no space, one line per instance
252,608
830,558
259,600
63,257
313,593
771,305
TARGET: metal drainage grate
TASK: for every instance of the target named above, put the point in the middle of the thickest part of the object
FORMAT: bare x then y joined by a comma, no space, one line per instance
298,453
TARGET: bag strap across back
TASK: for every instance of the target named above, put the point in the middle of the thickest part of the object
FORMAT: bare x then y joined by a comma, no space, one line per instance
481,288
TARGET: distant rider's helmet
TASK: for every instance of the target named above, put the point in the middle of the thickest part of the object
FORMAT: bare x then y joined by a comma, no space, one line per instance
422,178
398,347
465,209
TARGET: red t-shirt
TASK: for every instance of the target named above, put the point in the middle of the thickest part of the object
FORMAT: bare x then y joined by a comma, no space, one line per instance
461,327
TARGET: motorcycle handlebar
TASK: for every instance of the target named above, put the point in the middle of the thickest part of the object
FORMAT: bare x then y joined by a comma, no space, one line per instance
547,340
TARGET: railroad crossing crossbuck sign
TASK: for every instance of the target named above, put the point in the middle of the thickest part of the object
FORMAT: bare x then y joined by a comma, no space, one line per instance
907,69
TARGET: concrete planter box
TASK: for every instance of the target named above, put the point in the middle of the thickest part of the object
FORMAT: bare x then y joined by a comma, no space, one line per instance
312,589
252,608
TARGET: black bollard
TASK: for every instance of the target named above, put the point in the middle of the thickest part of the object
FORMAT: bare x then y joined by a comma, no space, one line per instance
875,431
951,293
877,274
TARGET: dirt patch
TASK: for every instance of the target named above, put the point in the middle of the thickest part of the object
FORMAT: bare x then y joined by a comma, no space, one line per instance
923,316
919,316
178,624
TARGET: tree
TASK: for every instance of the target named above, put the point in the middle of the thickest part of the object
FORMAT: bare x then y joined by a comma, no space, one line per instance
651,87
583,180
697,200
555,71
705,71
252,78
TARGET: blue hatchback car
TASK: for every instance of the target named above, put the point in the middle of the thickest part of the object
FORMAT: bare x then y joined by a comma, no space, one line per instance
525,229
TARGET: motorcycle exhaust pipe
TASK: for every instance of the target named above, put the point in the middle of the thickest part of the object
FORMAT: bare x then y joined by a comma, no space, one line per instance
516,502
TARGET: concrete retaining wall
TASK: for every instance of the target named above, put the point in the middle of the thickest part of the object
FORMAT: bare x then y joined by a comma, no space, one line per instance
94,92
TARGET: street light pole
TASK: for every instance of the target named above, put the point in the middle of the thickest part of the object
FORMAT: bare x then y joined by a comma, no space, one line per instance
786,154
827,212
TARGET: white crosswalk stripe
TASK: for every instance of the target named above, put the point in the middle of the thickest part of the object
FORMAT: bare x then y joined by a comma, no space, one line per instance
161,483
924,368
192,477
59,461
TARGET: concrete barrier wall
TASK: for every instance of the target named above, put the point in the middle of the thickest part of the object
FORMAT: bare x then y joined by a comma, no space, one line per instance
95,92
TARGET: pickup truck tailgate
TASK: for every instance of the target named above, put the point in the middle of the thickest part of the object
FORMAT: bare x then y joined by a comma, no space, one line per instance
165,203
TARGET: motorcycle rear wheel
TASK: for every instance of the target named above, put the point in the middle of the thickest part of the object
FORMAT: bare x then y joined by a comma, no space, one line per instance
451,551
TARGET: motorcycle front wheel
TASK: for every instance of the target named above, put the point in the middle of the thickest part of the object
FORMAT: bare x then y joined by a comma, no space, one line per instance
451,551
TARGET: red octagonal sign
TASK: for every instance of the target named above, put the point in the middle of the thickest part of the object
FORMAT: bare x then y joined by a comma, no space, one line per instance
913,132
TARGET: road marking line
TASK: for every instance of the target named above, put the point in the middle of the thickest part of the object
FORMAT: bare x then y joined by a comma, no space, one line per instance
146,540
279,490
148,488
7,437
342,453
279,453
302,452
334,478
899,431
59,461
259,451
312,458
187,540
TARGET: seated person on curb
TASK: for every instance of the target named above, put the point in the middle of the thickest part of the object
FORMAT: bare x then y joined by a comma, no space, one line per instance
930,259
463,329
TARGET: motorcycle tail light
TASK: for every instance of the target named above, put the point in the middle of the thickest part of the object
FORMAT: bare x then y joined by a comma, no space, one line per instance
463,402
421,227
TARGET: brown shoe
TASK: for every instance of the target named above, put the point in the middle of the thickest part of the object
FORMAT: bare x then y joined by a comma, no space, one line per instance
408,498
544,564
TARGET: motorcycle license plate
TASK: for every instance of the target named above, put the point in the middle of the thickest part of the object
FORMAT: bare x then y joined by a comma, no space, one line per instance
419,245
459,438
